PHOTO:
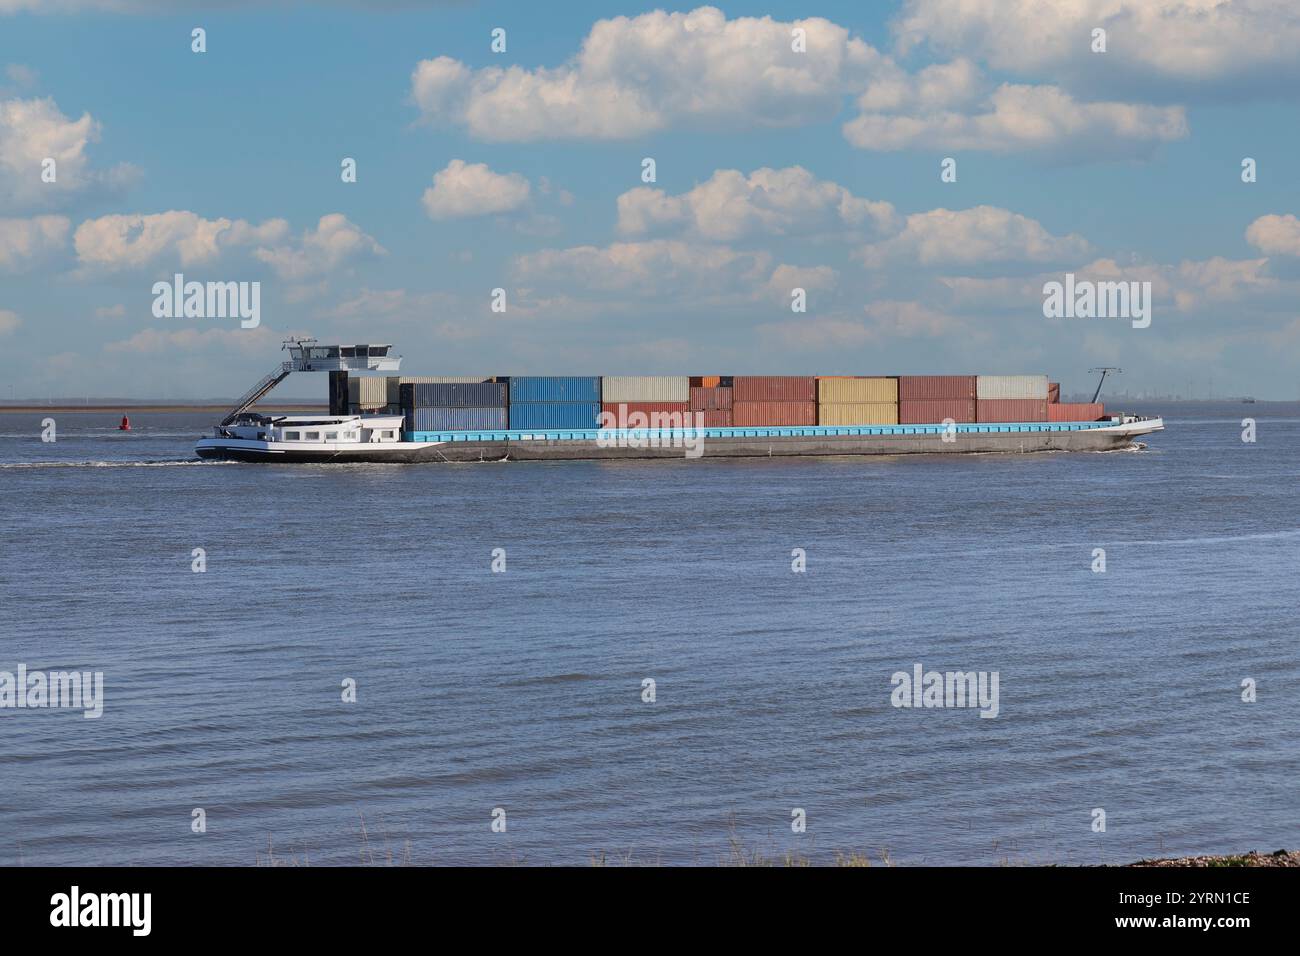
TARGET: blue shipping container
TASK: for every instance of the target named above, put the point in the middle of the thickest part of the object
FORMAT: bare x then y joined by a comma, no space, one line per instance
451,395
554,388
554,415
454,419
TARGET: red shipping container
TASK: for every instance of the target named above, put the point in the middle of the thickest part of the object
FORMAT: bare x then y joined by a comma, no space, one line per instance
648,409
705,399
1053,391
1076,412
934,411
775,388
1011,410
717,418
749,414
934,387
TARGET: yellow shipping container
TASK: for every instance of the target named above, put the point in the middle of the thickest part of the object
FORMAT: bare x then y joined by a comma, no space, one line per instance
368,391
858,413
842,391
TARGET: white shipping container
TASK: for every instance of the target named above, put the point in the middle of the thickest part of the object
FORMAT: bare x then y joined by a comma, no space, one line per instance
1011,386
395,380
369,391
645,388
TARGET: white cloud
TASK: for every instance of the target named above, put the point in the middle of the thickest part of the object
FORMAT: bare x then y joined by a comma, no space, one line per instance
24,242
1275,235
919,112
768,202
472,189
34,130
1181,44
639,75
658,268
133,241
259,341
972,237
334,242
9,321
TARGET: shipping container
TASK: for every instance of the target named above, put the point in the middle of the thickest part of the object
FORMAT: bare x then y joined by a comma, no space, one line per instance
455,419
394,381
838,390
645,388
1011,387
1075,411
775,388
707,398
935,387
706,381
1011,409
1053,391
858,413
452,395
555,388
666,414
552,415
716,418
368,391
748,414
933,411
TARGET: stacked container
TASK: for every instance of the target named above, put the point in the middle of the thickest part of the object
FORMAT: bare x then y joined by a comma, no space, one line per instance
659,400
396,381
714,401
774,400
367,393
453,406
554,401
931,399
1011,398
1075,411
857,400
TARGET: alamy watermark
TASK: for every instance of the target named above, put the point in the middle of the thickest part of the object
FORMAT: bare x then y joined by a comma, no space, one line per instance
638,429
35,690
1085,299
923,688
208,300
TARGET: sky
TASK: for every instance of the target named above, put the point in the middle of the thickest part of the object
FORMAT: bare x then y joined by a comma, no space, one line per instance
794,147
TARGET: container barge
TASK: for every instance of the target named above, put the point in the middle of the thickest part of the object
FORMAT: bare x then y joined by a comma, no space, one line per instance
540,418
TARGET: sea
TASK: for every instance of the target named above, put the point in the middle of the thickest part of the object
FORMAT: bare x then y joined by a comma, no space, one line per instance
659,662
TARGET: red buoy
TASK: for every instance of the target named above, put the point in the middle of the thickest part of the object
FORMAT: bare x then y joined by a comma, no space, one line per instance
125,426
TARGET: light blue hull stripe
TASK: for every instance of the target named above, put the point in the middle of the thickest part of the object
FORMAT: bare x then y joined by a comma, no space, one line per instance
788,431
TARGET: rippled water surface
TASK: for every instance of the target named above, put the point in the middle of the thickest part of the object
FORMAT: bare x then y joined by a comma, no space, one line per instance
523,690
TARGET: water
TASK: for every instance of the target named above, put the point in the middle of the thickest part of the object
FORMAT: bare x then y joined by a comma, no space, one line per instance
523,690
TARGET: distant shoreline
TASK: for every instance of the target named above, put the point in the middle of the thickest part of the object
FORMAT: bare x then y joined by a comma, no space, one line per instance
128,409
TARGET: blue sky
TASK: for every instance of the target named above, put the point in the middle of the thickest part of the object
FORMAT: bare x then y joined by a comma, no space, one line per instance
774,170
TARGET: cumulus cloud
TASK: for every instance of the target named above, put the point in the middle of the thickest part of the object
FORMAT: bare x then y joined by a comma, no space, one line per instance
1275,235
654,268
25,242
1180,46
472,189
255,342
9,321
34,130
334,242
768,202
972,237
943,111
175,236
639,75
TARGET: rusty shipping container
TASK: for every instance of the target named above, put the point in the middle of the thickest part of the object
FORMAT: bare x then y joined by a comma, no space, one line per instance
706,398
1011,410
653,413
935,387
1075,411
1053,391
750,414
842,390
775,388
857,413
716,418
933,411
